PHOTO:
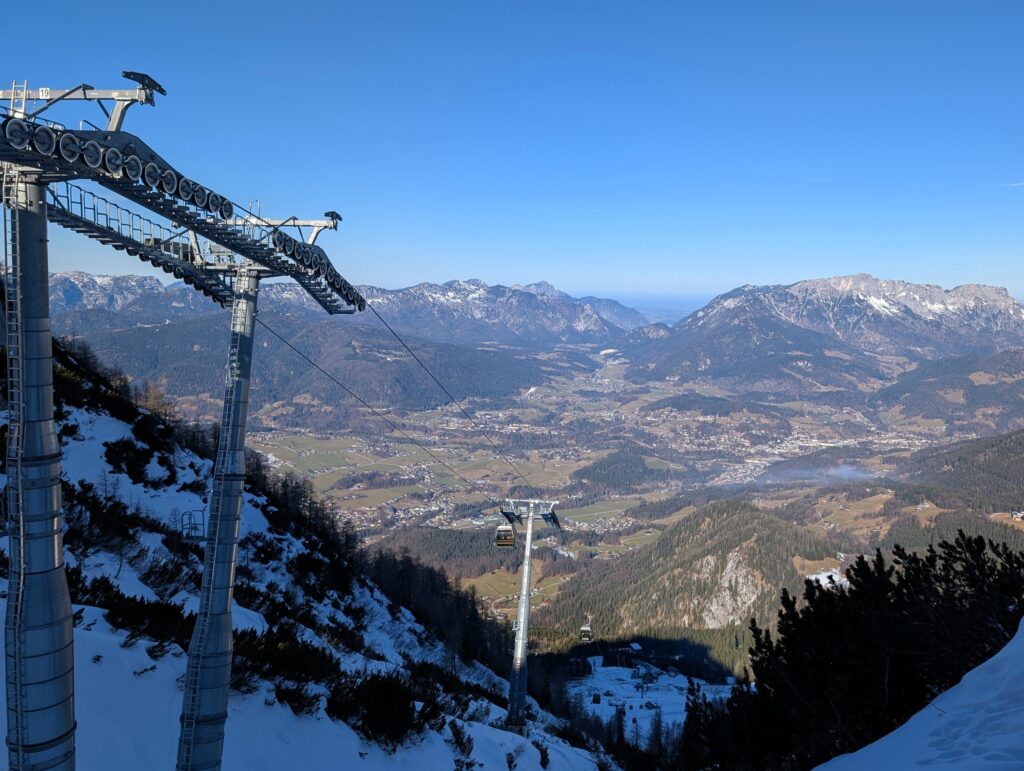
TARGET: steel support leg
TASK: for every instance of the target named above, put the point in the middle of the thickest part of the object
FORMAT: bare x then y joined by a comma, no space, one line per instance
207,678
516,719
39,656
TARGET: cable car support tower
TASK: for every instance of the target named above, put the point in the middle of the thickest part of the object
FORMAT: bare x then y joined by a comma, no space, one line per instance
518,511
215,246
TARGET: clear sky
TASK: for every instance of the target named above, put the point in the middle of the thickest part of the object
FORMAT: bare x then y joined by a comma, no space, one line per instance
621,148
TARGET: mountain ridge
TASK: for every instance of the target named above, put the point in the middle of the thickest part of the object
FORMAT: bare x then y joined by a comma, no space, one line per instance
851,333
464,311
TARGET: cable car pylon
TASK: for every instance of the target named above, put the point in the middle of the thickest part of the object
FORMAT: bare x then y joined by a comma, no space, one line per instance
516,511
38,625
38,157
208,672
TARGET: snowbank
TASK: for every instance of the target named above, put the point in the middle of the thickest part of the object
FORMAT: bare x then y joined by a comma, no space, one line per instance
977,725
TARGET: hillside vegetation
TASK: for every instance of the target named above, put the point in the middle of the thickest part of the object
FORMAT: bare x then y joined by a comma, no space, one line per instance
848,664
701,580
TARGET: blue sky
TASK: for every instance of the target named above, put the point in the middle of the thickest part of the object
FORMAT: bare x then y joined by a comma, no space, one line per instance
620,148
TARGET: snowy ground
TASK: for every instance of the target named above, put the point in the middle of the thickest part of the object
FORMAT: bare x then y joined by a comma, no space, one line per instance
128,707
618,686
978,725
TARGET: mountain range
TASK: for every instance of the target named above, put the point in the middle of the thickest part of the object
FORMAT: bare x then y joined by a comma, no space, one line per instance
468,312
893,348
851,333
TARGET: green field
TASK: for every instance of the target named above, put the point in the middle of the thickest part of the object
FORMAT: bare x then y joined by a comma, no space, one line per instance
609,509
330,461
502,588
642,538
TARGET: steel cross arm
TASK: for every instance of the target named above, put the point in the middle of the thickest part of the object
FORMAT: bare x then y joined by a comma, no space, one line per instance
227,236
123,98
317,225
225,233
138,95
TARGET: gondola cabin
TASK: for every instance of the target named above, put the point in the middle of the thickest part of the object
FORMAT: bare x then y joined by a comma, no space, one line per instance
505,537
586,633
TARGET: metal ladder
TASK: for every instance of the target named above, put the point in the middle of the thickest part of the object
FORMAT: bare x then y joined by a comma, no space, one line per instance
18,94
190,713
11,267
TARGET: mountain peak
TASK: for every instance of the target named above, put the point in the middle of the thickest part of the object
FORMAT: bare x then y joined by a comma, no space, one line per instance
892,297
543,289
880,315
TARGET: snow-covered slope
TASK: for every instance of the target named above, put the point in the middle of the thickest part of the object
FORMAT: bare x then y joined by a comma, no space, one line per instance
128,707
128,689
978,725
646,695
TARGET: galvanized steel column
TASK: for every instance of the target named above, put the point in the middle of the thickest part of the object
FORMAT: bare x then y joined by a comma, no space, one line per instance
207,679
38,627
517,680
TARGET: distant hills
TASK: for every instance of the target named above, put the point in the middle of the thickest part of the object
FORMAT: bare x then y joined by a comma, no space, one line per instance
845,334
186,358
610,310
894,350
468,312
480,339
472,312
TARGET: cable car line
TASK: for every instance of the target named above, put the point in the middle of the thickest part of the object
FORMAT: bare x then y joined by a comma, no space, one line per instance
362,401
449,394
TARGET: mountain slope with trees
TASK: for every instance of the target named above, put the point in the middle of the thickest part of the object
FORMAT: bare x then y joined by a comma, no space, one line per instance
186,360
701,580
327,665
848,664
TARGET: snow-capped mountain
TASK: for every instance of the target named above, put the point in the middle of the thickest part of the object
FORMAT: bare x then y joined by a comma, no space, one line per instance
473,312
826,334
468,312
892,317
73,290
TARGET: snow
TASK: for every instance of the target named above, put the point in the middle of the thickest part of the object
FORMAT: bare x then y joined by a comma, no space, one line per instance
977,725
128,707
119,570
882,306
826,576
622,686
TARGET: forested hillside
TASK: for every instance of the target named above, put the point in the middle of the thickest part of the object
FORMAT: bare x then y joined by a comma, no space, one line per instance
848,664
186,361
460,553
969,394
987,473
702,580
